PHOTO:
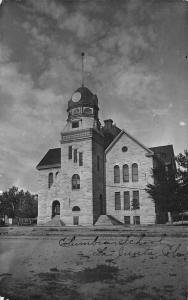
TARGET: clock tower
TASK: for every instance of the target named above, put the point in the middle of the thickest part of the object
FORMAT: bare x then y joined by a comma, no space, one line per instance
83,110
82,161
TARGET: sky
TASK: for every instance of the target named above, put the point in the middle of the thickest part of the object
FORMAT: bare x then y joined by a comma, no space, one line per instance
136,62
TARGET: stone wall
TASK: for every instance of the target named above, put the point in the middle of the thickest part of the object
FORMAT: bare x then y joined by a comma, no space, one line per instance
98,179
46,196
135,154
82,197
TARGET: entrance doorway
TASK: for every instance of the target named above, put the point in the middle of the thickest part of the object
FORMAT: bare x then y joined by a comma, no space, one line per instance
75,220
55,208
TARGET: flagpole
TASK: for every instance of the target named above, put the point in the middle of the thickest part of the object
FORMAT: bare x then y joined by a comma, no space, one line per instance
83,54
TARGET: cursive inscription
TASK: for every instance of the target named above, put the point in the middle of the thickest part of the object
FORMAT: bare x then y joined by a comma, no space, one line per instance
115,247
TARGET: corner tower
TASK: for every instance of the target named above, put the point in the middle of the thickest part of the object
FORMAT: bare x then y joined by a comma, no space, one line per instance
82,161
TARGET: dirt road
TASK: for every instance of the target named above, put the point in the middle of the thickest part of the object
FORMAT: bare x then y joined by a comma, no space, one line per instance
93,266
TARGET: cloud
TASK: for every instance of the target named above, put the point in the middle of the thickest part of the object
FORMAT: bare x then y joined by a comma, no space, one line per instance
48,8
4,54
80,25
72,20
40,67
31,120
160,112
182,123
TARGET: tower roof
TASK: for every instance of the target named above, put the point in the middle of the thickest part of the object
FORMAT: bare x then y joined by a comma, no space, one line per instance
83,97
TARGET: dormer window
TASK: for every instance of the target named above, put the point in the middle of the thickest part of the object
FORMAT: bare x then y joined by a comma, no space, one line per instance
76,111
88,110
75,124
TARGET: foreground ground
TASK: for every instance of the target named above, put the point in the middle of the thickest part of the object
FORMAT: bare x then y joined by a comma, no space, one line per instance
77,263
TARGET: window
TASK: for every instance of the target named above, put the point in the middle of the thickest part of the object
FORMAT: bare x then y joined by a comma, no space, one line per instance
80,159
127,220
75,155
55,208
75,182
126,200
135,202
75,220
50,180
124,149
136,220
88,110
75,208
98,163
75,124
56,174
117,201
70,152
125,173
116,174
134,172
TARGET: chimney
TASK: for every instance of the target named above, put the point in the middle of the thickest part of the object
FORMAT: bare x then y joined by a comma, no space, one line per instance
108,123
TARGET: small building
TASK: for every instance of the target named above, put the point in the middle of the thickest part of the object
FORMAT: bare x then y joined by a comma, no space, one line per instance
98,172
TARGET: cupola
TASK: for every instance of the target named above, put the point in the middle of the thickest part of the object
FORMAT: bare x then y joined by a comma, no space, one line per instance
83,103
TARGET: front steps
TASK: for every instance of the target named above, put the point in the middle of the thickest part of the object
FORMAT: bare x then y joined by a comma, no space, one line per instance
55,221
107,220
103,220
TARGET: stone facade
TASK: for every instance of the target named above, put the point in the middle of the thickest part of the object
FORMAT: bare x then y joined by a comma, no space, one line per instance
47,195
77,180
135,153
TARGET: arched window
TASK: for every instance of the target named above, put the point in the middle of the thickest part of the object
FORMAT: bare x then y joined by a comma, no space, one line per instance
75,182
50,180
76,208
56,174
55,208
134,172
125,173
116,174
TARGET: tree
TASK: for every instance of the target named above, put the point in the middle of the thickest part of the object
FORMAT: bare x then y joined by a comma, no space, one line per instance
182,178
9,202
15,203
170,191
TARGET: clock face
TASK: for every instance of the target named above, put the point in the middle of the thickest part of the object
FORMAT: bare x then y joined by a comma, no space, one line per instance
76,97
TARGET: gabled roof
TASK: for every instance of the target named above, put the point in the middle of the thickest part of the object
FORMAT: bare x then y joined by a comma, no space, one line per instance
52,159
132,138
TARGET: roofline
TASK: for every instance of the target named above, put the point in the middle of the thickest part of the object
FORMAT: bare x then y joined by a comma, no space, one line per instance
52,166
163,146
131,137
